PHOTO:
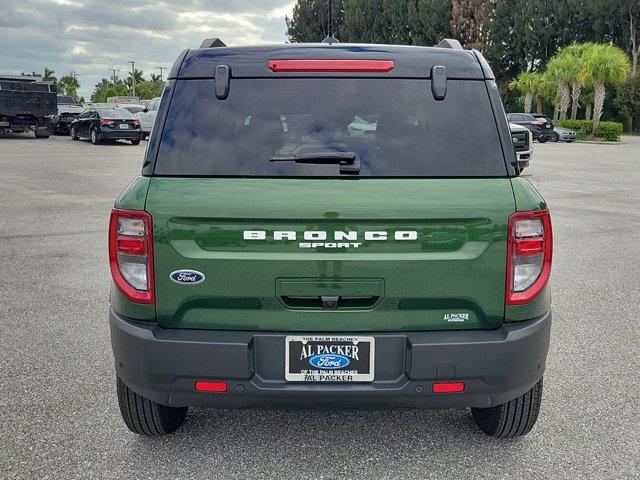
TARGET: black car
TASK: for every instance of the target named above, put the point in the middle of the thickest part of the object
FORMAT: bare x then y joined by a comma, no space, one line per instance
68,111
103,124
61,123
540,126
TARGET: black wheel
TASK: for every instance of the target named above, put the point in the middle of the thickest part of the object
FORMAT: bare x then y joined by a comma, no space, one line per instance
511,419
73,134
45,134
135,142
555,137
95,138
144,417
542,139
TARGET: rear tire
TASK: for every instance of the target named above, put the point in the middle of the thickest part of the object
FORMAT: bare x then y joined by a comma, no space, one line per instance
135,142
145,417
42,134
95,139
73,134
511,419
555,137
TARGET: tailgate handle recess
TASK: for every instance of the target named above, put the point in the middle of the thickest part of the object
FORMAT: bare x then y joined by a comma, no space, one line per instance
330,293
329,302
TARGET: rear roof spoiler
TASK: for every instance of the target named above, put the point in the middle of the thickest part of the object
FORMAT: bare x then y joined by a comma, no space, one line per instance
450,43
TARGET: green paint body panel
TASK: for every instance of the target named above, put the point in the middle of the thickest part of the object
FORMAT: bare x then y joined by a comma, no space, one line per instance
456,266
528,198
133,197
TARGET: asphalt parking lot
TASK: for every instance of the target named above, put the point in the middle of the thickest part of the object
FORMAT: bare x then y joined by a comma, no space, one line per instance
58,406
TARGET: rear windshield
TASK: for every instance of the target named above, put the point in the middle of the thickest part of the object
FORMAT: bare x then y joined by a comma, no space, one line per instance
116,113
65,100
133,108
394,126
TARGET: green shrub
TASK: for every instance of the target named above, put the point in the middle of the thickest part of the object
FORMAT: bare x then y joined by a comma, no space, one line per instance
609,131
581,127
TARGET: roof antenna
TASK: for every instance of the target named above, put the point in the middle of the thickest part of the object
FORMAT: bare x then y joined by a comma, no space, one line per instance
330,38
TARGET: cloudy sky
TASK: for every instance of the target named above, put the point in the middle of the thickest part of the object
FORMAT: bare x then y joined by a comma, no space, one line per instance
90,36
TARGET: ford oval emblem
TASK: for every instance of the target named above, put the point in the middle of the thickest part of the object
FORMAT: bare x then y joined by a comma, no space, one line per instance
329,362
187,277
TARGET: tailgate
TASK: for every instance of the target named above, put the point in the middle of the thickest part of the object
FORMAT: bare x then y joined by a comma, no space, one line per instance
379,254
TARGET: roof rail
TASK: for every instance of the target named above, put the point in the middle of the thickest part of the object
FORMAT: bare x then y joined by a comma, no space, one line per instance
450,43
212,43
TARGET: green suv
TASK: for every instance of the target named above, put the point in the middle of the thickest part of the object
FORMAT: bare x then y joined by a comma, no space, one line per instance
314,227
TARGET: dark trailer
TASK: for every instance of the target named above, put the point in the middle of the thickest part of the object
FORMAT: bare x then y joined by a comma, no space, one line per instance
26,104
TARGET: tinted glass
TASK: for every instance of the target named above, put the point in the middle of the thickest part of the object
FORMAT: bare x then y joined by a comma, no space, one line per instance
395,127
114,113
65,100
134,109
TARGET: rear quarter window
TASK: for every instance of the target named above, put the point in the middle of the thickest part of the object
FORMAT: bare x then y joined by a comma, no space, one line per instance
395,127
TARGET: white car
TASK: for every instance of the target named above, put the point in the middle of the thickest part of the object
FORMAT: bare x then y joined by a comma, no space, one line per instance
147,116
522,143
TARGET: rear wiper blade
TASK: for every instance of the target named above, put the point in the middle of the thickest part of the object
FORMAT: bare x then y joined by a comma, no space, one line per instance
349,161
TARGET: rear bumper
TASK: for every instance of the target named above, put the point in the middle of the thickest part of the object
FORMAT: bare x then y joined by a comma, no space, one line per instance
496,366
116,134
566,137
61,127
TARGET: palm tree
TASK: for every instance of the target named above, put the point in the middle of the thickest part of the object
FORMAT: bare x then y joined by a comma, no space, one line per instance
545,90
48,75
576,54
69,85
563,69
139,76
526,83
603,64
587,98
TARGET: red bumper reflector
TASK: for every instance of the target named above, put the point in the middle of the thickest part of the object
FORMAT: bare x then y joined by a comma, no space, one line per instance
331,65
207,386
448,387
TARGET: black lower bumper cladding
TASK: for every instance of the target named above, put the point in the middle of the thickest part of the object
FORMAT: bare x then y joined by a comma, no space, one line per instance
495,365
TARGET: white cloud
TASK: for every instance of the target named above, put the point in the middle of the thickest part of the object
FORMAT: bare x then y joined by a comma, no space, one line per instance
89,36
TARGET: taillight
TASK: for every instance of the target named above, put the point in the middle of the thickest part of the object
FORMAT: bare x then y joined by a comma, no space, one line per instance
131,254
529,251
107,122
328,65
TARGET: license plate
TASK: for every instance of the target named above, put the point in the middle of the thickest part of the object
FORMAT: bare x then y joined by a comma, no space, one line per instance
123,125
329,358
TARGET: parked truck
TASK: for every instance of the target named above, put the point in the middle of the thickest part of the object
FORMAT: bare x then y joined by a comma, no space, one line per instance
27,104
